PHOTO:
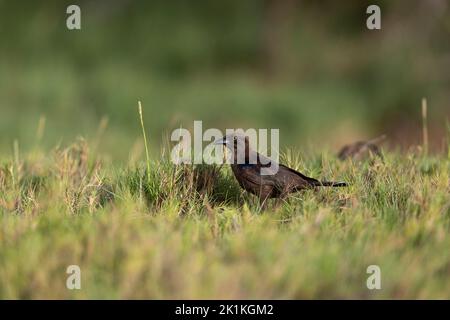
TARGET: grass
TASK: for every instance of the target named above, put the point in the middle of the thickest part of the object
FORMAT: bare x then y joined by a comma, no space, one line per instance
189,232
149,229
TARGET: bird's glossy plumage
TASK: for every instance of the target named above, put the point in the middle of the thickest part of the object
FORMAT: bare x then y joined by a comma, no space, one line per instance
280,183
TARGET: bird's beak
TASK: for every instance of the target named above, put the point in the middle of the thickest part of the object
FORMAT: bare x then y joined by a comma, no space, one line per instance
221,141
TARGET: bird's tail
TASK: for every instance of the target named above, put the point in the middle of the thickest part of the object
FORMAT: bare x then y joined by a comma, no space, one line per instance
329,184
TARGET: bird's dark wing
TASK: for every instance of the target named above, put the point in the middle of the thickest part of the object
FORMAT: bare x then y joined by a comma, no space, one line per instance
299,181
250,179
252,173
299,177
283,178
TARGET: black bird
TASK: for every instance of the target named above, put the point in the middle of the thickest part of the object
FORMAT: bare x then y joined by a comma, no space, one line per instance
278,184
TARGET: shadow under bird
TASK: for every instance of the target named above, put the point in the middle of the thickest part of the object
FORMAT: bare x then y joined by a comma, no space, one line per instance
278,184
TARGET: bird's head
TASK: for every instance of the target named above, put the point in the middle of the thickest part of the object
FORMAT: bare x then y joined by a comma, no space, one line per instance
238,145
234,141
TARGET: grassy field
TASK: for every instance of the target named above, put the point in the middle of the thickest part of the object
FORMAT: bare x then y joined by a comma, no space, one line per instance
189,232
149,229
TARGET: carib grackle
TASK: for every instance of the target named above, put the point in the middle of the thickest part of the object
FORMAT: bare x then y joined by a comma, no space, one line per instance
278,184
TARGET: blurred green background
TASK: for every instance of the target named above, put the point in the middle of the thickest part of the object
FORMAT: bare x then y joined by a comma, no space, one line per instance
310,68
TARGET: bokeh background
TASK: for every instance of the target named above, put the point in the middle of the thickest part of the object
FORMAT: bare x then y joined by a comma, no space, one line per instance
310,68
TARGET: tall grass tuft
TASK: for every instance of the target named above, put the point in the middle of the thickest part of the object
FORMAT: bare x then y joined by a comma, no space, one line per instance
145,140
425,125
